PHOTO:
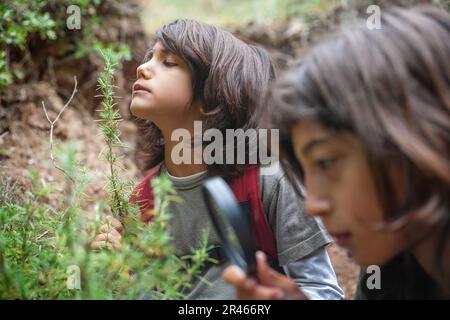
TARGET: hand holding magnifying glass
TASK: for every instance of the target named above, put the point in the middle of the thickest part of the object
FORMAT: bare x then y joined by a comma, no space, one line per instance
234,229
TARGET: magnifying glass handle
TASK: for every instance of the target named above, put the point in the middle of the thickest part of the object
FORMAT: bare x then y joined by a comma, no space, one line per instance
252,272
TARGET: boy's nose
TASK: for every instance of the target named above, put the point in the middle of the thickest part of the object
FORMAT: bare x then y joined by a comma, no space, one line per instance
143,71
316,206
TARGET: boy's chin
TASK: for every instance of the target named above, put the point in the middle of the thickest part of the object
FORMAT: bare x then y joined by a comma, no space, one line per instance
139,110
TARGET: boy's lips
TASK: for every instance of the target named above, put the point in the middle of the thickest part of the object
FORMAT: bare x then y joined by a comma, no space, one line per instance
341,238
140,87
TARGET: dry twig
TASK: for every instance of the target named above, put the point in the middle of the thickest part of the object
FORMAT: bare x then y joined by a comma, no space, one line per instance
52,125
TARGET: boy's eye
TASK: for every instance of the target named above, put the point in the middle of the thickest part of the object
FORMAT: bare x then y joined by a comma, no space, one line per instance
325,164
169,63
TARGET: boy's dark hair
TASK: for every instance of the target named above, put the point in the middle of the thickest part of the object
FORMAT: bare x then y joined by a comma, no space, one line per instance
229,77
390,88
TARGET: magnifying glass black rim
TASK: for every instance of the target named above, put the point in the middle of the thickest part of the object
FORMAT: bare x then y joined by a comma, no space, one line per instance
217,190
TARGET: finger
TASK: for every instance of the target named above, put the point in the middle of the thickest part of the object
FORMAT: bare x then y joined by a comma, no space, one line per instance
107,237
263,269
242,283
251,290
269,277
261,292
105,228
114,222
234,275
100,245
109,218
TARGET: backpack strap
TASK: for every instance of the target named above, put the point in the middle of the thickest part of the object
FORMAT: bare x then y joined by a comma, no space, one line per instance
246,189
143,194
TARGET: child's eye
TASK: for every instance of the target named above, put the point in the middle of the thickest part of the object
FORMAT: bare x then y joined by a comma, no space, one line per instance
169,64
325,164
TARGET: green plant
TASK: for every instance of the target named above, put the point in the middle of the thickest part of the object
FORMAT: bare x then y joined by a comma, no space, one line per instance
45,249
110,128
21,21
30,263
169,275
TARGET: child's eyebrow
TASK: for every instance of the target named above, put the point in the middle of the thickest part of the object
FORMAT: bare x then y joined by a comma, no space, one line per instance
315,142
162,51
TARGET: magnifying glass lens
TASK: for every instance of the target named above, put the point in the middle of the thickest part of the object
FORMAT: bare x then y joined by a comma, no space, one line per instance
227,234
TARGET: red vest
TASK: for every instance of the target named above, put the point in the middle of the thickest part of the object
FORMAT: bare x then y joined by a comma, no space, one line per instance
245,189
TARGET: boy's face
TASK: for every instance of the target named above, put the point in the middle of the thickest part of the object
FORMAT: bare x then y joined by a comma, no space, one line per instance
163,90
341,190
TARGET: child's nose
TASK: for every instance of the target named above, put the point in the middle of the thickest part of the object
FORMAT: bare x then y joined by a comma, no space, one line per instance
143,71
316,206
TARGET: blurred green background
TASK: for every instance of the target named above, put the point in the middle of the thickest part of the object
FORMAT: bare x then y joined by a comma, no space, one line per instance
230,12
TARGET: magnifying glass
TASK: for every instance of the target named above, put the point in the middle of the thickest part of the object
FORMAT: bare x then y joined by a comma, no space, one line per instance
232,224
